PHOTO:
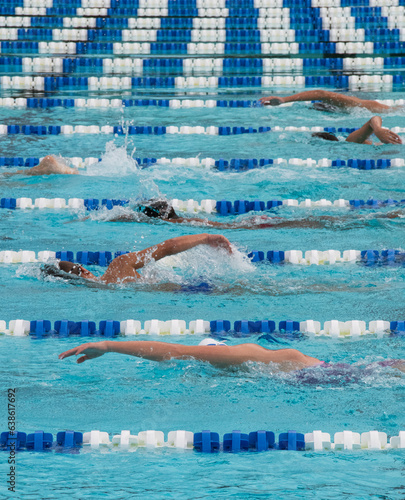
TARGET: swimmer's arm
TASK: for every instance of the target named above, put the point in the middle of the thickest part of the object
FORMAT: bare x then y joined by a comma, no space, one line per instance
334,98
124,267
340,100
175,246
202,222
217,355
374,126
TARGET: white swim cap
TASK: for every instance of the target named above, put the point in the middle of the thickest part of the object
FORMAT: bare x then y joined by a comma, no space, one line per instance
211,342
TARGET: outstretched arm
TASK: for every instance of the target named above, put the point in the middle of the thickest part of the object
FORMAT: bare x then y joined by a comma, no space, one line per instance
217,355
124,267
339,100
374,126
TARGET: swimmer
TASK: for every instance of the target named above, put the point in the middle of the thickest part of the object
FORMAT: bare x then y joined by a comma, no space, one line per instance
124,268
161,209
218,355
361,135
48,166
333,101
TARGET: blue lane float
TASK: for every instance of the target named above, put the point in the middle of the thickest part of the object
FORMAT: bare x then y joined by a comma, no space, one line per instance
206,441
221,328
234,164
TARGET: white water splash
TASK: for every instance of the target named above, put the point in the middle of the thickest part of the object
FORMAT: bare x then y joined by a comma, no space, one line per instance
200,262
115,162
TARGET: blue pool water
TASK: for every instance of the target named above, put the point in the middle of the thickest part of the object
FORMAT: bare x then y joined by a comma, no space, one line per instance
117,393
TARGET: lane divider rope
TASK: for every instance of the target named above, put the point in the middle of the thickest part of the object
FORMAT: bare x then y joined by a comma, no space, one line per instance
162,130
205,441
222,207
92,103
240,328
389,257
234,164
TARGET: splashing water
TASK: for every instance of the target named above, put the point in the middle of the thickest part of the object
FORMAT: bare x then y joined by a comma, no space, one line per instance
200,263
114,162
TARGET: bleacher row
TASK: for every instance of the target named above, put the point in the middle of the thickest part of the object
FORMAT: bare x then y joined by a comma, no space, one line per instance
206,66
203,48
217,35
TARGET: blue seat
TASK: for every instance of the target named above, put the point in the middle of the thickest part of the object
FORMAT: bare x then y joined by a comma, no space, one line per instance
206,441
291,440
235,442
39,441
261,440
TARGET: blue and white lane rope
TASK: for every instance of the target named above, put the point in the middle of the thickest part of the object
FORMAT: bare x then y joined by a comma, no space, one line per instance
81,103
234,164
241,328
370,257
51,83
164,130
204,442
222,207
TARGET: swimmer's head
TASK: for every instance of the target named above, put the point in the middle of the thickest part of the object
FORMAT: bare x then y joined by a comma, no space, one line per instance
326,135
70,267
66,270
159,209
326,107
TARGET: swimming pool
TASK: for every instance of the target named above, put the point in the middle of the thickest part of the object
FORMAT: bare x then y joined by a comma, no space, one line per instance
117,393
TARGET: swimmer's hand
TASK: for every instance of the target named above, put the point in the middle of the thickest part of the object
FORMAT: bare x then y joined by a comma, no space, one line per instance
386,136
90,350
219,241
271,101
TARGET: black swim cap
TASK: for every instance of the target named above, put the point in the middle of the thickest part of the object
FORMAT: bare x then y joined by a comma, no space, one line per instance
62,269
158,209
326,135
